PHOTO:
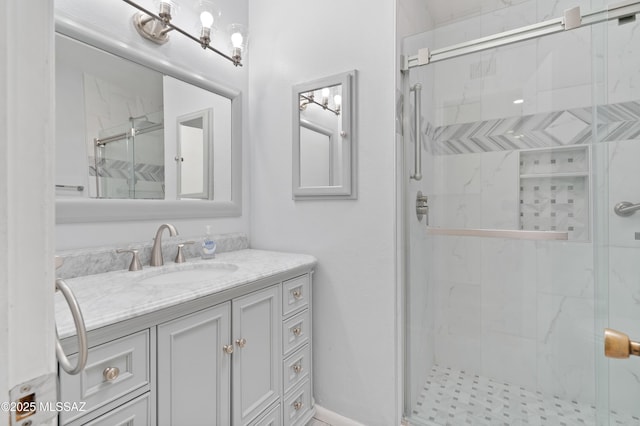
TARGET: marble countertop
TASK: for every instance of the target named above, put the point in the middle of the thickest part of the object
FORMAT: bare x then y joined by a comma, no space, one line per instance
111,297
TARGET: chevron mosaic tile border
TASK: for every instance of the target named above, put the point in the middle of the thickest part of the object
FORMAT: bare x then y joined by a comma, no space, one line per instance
545,130
120,169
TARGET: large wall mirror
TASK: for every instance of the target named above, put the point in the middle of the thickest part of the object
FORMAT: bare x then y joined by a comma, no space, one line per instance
139,138
324,139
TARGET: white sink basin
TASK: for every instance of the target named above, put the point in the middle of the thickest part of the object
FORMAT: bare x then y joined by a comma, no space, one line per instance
186,274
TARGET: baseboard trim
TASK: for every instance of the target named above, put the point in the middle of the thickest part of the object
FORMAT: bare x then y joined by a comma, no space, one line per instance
334,419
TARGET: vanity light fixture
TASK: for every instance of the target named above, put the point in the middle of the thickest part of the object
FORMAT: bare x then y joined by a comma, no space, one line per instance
156,27
325,93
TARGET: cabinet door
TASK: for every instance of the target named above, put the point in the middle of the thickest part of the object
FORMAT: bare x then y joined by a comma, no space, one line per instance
256,359
194,369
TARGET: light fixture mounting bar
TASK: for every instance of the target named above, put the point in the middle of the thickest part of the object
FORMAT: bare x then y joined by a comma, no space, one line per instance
181,31
311,100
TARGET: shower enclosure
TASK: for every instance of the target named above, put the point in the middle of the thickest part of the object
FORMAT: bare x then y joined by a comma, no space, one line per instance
129,159
527,121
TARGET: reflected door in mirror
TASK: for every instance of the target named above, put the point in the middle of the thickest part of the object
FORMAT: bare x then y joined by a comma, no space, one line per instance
193,157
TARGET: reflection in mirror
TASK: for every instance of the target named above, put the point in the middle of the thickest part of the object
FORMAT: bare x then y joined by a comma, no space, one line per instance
109,118
320,140
193,155
129,160
323,138
185,102
105,87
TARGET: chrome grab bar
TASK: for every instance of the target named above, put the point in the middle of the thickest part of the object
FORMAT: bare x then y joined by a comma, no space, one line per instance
417,89
83,350
625,208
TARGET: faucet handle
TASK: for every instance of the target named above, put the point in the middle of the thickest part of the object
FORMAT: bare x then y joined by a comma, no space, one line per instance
135,261
180,256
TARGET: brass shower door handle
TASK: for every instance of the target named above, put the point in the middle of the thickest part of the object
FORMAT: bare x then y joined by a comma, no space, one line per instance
618,345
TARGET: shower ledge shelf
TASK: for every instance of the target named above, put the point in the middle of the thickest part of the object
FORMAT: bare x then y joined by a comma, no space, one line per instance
500,233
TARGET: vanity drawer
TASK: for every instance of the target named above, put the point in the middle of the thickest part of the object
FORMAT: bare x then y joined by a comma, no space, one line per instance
296,368
113,370
133,413
295,332
272,418
297,405
295,294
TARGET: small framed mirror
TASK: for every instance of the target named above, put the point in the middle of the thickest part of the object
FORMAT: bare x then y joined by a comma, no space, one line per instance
324,138
194,154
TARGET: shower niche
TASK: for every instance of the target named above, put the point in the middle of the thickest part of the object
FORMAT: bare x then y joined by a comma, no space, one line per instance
554,191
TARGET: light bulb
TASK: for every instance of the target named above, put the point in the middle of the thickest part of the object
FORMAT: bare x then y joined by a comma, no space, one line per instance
236,40
325,96
206,18
337,99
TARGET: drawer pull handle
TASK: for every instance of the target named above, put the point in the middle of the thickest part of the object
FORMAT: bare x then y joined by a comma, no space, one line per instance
241,343
297,405
297,331
228,349
111,373
297,368
297,294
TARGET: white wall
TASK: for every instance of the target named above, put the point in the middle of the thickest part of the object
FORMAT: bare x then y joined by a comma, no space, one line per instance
26,194
114,19
355,337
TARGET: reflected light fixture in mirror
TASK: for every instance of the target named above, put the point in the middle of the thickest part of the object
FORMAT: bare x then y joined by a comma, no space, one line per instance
309,98
156,27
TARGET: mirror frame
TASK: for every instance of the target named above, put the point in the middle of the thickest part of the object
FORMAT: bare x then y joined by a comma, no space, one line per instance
85,210
348,189
207,178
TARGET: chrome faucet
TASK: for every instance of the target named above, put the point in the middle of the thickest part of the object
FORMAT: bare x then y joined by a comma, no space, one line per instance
156,251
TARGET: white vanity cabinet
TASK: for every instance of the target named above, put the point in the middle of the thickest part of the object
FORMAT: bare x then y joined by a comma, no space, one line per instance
296,351
257,363
201,354
194,369
242,359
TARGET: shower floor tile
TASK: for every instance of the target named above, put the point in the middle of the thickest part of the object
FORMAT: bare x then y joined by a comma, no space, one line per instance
453,397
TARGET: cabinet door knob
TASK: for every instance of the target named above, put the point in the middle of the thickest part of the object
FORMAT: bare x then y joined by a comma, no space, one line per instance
228,349
297,368
111,373
297,331
241,343
297,294
297,405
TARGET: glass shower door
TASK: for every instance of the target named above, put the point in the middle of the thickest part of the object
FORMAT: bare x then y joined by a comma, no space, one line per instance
129,159
526,150
619,145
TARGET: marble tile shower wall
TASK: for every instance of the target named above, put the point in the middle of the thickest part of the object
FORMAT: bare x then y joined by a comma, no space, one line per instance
517,311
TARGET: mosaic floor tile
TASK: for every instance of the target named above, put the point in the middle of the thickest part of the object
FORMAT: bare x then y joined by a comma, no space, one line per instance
454,398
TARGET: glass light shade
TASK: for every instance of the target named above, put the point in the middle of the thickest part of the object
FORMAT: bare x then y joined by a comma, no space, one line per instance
208,14
164,6
337,99
238,35
206,19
